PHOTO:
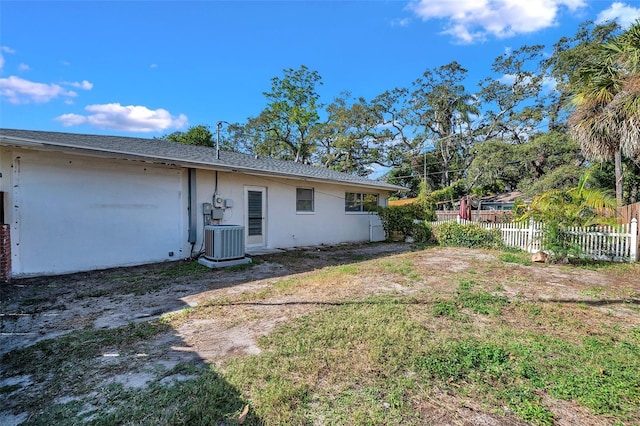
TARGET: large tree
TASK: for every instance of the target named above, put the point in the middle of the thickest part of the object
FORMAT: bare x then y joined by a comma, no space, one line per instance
606,121
396,135
513,104
562,67
285,125
195,135
442,111
547,161
431,119
347,139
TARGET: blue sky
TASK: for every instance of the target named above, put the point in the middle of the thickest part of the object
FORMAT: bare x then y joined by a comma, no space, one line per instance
148,68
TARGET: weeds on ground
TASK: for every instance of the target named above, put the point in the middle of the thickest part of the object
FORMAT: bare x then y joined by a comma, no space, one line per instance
469,297
243,266
403,267
73,359
204,398
188,267
599,265
519,257
372,360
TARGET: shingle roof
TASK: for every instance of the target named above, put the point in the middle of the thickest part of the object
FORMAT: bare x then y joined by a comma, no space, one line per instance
507,197
167,152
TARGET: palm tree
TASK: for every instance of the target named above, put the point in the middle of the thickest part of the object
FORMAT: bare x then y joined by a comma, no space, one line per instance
560,210
606,121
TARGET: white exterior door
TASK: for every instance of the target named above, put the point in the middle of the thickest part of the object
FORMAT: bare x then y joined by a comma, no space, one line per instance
255,201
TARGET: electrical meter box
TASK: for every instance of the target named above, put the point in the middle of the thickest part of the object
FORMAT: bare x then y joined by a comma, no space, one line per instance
217,214
207,208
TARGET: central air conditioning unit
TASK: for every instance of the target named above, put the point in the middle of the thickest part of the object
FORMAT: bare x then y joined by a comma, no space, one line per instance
223,242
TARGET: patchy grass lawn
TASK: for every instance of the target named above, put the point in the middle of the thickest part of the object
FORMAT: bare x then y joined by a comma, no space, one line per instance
435,336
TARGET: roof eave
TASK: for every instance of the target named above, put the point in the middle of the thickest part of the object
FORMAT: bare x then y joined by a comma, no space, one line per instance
98,152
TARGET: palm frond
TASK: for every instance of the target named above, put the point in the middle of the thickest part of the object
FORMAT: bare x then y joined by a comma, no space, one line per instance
622,115
628,44
588,129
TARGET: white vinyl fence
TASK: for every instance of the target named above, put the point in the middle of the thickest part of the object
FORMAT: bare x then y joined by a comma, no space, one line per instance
617,243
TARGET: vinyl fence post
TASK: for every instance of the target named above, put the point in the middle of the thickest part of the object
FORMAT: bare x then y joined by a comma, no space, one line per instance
531,235
634,240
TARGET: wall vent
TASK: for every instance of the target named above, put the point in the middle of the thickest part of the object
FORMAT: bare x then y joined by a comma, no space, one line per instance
223,242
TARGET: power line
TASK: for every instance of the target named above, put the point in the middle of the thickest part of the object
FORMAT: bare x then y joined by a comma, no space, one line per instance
466,168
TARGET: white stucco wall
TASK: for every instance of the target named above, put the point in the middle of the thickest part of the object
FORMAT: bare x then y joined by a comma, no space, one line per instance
5,179
73,213
285,228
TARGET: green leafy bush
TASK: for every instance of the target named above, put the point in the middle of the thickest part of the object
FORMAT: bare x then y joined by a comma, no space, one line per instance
419,210
422,233
402,219
559,210
449,193
395,219
470,236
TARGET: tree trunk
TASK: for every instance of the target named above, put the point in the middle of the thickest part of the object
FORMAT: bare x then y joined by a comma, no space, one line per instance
618,171
444,151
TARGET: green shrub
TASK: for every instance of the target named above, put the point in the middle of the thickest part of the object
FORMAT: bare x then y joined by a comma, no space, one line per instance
470,236
418,210
395,219
421,232
560,210
402,219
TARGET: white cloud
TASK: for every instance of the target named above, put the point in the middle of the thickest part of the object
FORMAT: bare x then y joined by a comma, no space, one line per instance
623,13
153,66
84,84
125,118
507,79
20,91
400,22
69,120
376,171
5,49
470,21
548,83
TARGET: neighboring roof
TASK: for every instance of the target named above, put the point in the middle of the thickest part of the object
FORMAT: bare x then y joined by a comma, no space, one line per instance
167,152
504,198
402,202
507,197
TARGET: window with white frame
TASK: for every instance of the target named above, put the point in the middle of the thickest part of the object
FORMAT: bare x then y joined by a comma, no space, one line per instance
304,200
360,202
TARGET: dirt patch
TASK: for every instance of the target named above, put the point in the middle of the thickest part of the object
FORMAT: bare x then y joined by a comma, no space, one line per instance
446,410
43,308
